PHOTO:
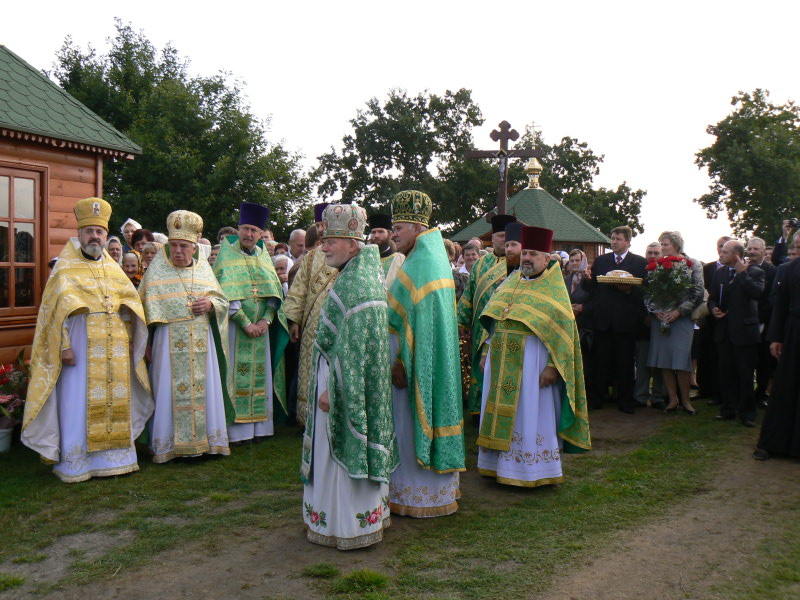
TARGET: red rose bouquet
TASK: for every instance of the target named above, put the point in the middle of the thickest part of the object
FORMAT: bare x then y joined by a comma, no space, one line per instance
667,280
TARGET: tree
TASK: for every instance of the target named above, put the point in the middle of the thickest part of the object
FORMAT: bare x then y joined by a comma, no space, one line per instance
408,142
754,164
203,149
569,169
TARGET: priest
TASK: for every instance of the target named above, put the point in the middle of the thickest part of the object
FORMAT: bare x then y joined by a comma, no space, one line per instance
426,391
304,301
257,332
533,398
380,231
187,314
89,396
486,275
349,447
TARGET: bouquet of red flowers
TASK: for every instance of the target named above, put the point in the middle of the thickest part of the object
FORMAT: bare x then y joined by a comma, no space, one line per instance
14,378
667,278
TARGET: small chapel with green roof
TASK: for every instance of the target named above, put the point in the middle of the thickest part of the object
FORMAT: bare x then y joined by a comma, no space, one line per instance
536,206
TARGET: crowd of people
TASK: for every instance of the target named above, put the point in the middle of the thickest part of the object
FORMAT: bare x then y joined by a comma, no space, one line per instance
375,334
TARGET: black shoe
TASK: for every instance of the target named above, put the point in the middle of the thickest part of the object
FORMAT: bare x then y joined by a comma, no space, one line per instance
658,404
628,410
669,410
723,418
761,454
689,411
748,423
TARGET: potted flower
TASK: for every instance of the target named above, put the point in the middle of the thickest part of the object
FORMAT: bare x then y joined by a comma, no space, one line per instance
14,378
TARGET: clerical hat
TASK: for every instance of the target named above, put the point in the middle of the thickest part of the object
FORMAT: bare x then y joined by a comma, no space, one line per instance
184,225
319,209
344,221
514,232
537,238
380,221
411,206
92,211
253,214
499,222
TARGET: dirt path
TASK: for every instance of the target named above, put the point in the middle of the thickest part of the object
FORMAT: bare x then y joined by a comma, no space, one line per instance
680,556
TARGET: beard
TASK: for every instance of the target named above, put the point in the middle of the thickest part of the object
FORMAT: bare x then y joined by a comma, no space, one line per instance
512,261
527,270
92,249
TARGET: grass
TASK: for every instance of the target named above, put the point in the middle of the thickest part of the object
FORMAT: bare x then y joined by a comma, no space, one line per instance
9,582
476,553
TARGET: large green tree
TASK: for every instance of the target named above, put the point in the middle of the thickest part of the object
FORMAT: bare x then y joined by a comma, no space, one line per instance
754,164
420,141
203,150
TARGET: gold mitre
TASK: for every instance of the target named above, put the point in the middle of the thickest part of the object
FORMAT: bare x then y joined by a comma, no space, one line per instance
344,221
184,225
411,206
92,211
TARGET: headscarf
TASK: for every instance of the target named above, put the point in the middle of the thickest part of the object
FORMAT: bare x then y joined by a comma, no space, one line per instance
131,222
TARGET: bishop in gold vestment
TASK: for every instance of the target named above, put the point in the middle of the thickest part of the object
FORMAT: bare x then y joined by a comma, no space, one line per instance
89,396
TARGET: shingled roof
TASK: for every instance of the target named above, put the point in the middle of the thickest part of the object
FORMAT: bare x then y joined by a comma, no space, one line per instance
34,108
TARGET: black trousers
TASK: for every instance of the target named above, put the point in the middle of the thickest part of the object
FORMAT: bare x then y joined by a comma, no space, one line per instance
613,361
765,367
737,365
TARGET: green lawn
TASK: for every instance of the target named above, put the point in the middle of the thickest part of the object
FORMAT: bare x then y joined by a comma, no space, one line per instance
472,554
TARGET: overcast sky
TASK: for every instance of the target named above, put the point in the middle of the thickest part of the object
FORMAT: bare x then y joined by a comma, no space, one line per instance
638,81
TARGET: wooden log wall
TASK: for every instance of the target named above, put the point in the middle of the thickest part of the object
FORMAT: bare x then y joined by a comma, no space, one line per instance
67,176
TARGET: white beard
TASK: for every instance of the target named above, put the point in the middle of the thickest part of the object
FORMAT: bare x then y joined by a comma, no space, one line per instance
94,250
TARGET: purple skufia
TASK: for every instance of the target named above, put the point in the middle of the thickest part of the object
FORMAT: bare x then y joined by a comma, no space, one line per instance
319,209
253,214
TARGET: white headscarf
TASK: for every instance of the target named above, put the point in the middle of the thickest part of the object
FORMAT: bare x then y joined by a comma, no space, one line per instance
131,222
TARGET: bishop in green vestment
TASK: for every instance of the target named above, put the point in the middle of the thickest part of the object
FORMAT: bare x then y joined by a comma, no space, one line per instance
258,329
349,448
426,374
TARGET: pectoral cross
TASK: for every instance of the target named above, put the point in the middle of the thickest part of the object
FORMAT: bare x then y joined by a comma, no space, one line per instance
507,309
107,303
254,289
503,136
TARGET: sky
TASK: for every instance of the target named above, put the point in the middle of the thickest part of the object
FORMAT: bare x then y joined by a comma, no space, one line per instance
638,81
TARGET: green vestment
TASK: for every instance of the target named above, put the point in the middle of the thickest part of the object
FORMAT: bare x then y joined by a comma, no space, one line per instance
422,314
251,279
167,293
486,275
353,337
540,307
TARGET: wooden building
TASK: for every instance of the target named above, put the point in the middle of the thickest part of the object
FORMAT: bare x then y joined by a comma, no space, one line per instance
536,206
52,149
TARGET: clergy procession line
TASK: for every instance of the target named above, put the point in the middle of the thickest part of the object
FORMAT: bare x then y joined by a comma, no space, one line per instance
191,362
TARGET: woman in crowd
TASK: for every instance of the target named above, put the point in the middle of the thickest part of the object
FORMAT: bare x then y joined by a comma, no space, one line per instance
282,265
127,229
130,264
139,238
212,258
114,248
578,270
672,353
149,251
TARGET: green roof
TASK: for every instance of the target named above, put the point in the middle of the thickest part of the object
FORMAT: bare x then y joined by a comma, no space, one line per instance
540,208
31,103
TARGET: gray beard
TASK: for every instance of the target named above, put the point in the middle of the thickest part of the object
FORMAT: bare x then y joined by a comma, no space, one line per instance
527,271
93,250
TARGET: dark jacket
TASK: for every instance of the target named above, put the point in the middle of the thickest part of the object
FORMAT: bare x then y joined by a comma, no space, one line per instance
612,309
763,302
738,298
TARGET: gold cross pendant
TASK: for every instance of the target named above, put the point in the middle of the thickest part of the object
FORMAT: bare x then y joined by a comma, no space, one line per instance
254,289
107,303
506,310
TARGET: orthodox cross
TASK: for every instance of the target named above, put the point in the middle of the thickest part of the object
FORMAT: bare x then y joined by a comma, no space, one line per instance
504,134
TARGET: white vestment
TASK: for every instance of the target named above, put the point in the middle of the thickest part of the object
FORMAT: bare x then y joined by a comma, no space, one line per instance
162,438
534,457
340,511
59,432
238,432
413,490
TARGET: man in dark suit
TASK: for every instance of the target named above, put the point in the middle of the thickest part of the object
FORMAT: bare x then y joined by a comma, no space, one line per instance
707,365
733,302
780,250
618,315
756,255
